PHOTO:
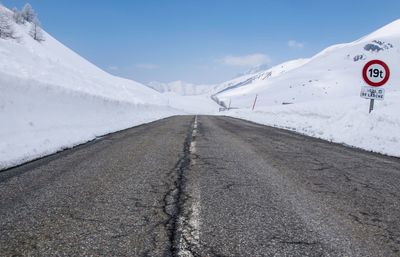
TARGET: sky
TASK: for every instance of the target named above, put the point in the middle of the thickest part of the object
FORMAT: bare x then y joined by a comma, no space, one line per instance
204,41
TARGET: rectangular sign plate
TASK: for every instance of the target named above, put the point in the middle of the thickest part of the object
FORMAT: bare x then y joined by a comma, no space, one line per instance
372,93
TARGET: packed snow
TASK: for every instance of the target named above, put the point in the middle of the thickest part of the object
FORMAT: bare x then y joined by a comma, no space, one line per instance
320,96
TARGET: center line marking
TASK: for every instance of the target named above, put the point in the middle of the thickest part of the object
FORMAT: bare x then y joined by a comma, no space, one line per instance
189,223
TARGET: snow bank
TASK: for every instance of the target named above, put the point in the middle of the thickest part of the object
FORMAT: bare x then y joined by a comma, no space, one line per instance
344,121
40,119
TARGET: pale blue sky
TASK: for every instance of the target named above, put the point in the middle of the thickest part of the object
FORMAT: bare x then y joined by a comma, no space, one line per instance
204,41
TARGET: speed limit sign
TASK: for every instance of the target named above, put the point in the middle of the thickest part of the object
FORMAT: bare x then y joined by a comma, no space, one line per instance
375,73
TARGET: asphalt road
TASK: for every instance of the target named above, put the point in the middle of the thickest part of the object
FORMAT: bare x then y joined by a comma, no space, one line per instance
205,186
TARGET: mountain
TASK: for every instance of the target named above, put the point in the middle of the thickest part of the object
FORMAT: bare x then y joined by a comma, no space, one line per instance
320,96
51,98
333,73
180,88
254,70
246,81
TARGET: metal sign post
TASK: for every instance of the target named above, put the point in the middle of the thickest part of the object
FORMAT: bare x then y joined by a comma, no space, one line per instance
371,105
254,104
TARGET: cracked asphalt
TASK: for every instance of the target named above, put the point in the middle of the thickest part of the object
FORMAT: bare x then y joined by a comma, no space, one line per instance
205,186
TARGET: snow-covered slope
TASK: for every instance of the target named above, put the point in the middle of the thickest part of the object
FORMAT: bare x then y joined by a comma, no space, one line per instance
245,82
323,94
180,88
51,98
52,63
334,72
254,70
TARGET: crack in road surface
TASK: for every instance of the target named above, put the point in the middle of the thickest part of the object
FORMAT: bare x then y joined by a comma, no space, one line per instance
183,225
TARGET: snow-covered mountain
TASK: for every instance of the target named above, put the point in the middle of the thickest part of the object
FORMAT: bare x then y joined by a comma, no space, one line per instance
244,81
254,70
52,98
320,96
180,88
334,72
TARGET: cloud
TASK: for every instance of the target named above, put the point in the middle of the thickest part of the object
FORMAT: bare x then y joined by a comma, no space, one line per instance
250,60
295,45
147,66
113,68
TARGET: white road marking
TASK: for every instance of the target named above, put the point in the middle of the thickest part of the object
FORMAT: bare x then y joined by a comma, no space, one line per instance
195,214
195,122
193,143
193,148
190,226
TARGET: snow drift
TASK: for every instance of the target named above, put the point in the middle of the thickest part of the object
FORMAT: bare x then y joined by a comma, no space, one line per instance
320,96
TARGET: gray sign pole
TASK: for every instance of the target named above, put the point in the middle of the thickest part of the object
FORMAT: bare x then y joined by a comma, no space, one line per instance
255,101
371,105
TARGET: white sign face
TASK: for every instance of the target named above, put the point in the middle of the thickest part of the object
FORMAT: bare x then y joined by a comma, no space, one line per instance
376,73
372,93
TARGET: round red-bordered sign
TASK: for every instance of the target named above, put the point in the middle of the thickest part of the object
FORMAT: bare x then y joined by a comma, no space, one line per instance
369,75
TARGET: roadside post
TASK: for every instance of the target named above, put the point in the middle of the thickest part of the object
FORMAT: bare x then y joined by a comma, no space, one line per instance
255,101
375,73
